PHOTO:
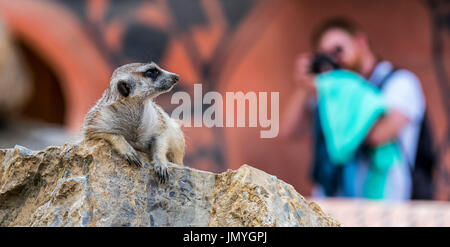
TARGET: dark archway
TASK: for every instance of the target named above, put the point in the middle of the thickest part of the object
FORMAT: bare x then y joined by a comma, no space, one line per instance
47,102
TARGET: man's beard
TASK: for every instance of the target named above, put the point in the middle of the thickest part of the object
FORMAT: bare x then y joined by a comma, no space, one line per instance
354,66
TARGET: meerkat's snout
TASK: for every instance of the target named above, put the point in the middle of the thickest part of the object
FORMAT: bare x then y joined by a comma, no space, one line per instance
168,81
175,77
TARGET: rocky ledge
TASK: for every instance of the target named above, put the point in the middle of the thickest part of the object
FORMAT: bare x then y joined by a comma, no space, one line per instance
88,184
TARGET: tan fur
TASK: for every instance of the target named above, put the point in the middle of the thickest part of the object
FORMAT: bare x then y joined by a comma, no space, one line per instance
134,122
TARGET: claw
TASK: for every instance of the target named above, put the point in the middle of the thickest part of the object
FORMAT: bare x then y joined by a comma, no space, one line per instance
162,171
133,159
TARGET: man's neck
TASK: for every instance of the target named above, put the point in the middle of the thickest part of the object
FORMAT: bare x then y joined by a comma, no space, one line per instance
368,64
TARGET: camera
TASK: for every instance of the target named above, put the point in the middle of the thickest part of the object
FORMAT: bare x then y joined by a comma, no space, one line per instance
322,62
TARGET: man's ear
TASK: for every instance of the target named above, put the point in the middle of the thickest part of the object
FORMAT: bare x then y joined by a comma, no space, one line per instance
362,40
124,88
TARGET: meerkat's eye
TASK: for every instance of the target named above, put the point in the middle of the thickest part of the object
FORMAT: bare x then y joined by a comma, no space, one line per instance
152,73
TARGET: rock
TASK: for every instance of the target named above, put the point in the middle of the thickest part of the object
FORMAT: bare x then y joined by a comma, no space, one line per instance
88,184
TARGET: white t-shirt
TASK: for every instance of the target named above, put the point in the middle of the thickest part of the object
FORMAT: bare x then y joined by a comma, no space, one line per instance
403,92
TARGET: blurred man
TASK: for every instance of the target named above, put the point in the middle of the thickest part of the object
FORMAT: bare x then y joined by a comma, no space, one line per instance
349,46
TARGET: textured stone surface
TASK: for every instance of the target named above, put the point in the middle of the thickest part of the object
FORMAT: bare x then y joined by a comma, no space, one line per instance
87,184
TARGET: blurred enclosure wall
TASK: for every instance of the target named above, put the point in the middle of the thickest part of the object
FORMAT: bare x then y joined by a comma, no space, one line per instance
228,45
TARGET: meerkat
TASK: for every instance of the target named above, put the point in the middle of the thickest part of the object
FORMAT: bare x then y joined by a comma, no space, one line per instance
127,117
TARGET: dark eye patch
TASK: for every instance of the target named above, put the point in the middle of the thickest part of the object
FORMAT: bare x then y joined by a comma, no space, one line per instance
152,73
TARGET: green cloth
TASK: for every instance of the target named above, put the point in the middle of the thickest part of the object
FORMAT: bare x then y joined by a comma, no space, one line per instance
348,107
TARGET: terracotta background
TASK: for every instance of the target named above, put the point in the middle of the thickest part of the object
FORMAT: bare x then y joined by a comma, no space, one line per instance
228,45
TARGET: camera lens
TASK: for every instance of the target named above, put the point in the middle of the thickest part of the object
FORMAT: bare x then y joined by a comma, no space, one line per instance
322,63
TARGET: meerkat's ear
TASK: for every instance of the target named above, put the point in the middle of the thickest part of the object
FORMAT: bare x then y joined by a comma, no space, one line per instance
124,88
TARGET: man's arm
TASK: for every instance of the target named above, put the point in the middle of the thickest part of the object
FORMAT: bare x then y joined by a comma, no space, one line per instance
293,115
296,107
386,128
404,97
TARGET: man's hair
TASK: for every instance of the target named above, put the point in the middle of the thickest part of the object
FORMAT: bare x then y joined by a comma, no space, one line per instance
341,23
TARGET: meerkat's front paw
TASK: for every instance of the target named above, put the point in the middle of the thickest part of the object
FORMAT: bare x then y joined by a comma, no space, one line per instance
132,158
161,171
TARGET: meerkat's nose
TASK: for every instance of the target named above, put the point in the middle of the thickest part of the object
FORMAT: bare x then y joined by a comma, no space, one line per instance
175,77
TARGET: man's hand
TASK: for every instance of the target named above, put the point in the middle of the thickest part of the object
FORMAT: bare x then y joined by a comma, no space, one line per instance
302,74
386,128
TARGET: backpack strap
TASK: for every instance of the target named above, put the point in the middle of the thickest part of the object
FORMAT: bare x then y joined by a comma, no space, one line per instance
380,86
422,127
386,78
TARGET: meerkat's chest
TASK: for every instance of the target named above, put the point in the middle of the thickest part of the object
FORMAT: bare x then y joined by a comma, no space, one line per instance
151,123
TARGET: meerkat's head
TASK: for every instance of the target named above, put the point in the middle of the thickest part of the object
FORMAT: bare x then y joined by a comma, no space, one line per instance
146,80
